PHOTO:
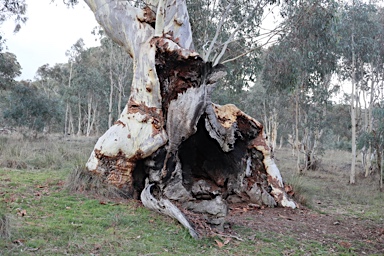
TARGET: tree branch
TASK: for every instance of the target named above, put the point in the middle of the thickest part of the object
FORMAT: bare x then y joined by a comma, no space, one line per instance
218,58
268,35
218,29
122,23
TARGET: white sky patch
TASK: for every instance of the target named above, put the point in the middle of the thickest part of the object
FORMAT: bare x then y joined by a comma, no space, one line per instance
50,31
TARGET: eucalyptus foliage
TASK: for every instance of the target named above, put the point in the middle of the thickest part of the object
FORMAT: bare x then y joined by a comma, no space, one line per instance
229,32
9,69
29,107
15,9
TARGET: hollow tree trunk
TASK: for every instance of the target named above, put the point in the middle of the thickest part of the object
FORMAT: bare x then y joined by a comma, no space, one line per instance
171,143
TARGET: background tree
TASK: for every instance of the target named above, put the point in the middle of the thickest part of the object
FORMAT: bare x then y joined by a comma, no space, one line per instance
305,70
375,139
9,70
28,107
358,49
119,68
230,32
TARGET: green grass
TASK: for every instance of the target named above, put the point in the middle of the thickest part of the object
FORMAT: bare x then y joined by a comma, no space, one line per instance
328,191
47,219
57,222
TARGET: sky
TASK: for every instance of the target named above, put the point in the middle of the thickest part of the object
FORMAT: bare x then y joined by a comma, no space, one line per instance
51,30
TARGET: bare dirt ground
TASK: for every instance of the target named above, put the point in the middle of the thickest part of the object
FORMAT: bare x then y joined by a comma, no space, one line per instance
336,214
360,235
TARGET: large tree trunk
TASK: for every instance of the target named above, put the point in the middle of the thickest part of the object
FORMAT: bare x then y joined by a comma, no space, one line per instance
171,143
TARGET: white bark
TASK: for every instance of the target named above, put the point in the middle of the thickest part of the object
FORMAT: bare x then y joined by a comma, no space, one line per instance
217,32
79,114
89,115
275,180
68,129
139,131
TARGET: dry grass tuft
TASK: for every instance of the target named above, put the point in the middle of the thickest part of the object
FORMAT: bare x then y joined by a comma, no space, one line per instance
51,152
302,194
81,180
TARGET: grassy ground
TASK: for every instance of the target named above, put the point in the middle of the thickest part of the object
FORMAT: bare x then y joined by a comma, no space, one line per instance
46,219
328,190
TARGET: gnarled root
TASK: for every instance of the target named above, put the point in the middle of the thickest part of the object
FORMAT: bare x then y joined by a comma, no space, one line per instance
164,206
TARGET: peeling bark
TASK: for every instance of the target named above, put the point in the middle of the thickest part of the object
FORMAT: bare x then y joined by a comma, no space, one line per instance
200,155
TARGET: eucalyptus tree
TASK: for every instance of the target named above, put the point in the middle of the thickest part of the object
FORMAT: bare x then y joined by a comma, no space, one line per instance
51,79
29,107
274,107
69,92
170,141
119,69
9,70
52,82
230,32
90,81
373,74
375,138
359,48
302,63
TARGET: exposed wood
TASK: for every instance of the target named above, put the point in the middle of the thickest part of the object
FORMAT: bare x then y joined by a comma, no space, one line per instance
164,206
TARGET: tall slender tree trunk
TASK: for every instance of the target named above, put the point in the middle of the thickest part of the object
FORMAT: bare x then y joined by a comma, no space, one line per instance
370,121
97,123
71,127
79,117
120,95
297,141
110,104
68,112
271,125
364,151
89,115
381,173
93,122
281,142
352,176
66,118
